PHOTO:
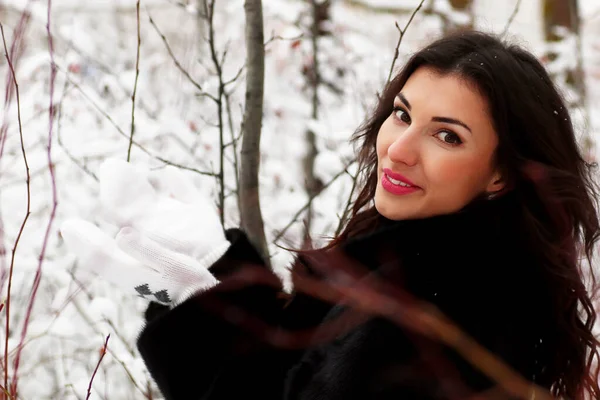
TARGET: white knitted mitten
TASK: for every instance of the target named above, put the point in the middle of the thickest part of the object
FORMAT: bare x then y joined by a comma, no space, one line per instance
169,234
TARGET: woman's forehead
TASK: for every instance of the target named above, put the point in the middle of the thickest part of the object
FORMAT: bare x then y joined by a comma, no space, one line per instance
427,90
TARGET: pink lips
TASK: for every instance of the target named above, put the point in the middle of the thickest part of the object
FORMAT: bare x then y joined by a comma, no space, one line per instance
393,188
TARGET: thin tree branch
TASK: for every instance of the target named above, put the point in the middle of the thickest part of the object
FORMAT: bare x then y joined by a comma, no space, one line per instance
402,32
235,78
210,11
511,18
177,63
102,354
379,298
303,208
224,55
60,142
379,9
137,74
38,274
348,206
125,135
16,50
2,388
25,219
6,393
233,145
114,356
277,37
367,298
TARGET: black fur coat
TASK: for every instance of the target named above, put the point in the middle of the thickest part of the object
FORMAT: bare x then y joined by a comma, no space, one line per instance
241,340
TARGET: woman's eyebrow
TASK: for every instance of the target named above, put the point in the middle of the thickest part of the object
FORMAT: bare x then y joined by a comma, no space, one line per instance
447,120
404,100
452,121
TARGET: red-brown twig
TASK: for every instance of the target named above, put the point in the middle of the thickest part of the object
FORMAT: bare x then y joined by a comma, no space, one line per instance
27,211
15,51
38,273
12,58
102,354
137,74
3,390
402,32
367,298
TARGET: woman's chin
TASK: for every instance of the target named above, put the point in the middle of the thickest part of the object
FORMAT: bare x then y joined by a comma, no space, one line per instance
392,210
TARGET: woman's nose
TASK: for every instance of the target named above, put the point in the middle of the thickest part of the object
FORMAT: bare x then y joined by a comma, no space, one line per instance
405,149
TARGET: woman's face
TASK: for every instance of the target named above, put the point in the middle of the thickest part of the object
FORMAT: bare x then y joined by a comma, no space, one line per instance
435,151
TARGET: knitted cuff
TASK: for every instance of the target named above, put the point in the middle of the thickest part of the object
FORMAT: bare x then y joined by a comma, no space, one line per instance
212,257
206,262
190,291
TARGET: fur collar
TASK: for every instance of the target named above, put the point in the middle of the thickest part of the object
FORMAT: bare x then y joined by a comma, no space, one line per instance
476,258
482,228
474,266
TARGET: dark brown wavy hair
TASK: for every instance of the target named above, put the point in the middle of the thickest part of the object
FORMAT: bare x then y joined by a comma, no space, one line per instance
542,163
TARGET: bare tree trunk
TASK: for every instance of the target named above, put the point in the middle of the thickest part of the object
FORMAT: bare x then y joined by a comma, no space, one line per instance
559,13
201,27
250,210
313,185
465,6
461,4
565,13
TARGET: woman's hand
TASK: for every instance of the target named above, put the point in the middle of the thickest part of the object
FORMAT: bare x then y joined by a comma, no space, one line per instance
168,234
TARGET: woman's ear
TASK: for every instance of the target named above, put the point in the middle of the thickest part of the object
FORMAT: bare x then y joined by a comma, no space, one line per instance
496,184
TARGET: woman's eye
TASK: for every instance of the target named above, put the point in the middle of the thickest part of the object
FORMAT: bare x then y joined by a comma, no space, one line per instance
449,138
402,115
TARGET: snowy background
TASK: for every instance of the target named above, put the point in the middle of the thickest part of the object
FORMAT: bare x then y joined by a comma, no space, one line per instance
94,50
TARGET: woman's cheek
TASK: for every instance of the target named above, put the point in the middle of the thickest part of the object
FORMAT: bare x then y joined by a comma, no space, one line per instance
447,169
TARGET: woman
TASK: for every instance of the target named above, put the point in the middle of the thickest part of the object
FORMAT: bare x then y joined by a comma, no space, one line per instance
475,200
